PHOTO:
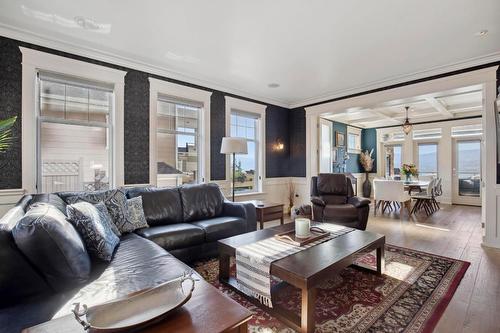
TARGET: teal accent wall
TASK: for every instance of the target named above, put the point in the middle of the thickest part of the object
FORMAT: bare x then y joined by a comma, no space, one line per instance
368,142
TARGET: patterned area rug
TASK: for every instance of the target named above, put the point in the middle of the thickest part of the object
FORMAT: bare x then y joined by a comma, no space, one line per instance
410,297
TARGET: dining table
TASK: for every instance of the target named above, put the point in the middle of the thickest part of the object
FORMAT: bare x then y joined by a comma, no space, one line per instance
415,185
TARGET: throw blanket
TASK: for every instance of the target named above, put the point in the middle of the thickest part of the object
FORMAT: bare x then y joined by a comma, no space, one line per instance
253,261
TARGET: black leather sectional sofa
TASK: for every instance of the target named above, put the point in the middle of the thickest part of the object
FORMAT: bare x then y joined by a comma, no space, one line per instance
185,224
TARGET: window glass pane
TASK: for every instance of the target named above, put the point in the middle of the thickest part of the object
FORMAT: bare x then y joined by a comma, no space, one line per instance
72,102
177,144
427,159
73,158
246,166
52,99
469,168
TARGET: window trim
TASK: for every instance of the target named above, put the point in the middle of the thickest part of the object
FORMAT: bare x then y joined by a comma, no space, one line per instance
161,87
354,131
34,61
259,110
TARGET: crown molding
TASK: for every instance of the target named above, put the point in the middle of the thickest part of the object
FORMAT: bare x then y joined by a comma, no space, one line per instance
438,70
115,59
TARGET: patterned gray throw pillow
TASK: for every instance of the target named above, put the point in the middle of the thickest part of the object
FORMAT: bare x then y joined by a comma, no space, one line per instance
136,213
94,225
116,203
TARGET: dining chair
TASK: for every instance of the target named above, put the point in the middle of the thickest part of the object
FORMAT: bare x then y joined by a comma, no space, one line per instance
438,191
389,195
425,199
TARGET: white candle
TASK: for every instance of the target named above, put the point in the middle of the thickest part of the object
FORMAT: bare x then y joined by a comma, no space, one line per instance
302,227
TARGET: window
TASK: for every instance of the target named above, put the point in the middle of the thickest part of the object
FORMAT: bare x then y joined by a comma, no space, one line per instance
177,135
179,145
244,125
428,159
246,119
74,125
353,140
74,117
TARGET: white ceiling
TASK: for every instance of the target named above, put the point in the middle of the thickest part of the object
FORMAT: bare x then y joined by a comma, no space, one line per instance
453,104
314,49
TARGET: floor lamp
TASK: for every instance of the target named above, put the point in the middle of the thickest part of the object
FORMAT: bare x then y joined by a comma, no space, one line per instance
231,145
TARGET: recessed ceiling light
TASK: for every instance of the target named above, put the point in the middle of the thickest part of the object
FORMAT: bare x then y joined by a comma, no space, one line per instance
273,85
481,33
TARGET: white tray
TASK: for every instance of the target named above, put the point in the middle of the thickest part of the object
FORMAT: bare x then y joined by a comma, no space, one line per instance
136,311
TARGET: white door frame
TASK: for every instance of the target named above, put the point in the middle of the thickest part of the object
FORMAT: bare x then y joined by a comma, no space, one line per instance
485,77
329,124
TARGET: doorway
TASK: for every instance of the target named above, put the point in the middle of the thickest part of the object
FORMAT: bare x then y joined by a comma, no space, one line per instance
325,146
466,176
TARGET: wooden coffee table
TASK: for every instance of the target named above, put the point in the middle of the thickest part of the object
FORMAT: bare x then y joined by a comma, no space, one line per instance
208,310
267,211
304,270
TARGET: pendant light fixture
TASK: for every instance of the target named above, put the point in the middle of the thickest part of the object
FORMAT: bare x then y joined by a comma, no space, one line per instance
407,125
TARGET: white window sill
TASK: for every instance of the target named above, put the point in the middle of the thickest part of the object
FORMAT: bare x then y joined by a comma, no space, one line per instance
247,194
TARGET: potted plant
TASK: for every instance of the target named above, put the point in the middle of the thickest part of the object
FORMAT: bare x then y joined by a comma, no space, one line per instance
366,160
6,138
409,170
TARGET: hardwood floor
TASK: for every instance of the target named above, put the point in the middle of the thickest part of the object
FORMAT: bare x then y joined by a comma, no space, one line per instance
454,231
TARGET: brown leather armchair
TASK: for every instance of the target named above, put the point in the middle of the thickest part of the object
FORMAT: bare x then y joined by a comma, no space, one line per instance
333,201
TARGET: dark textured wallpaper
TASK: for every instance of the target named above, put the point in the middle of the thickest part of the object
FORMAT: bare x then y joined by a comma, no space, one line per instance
217,132
297,132
277,129
136,120
10,105
136,125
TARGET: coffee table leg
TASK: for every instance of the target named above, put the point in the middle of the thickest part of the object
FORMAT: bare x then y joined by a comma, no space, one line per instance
381,259
224,267
307,310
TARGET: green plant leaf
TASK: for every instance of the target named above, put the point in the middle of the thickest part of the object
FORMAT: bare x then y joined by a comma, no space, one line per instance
6,138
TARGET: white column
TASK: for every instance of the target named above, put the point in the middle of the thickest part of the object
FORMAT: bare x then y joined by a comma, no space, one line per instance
490,196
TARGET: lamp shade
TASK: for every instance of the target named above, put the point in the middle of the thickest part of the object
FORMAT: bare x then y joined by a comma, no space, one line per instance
232,145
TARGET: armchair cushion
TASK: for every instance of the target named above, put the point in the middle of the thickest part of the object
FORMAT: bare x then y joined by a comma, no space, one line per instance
358,202
318,201
340,212
335,184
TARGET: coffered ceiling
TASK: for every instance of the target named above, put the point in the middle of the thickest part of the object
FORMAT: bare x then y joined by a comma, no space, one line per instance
453,104
313,50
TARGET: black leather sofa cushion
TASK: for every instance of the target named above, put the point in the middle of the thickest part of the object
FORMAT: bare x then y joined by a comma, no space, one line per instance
161,205
137,264
50,198
221,227
201,201
174,236
18,278
53,246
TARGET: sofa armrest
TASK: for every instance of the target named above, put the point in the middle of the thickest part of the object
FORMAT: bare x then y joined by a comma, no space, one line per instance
318,201
358,202
244,210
